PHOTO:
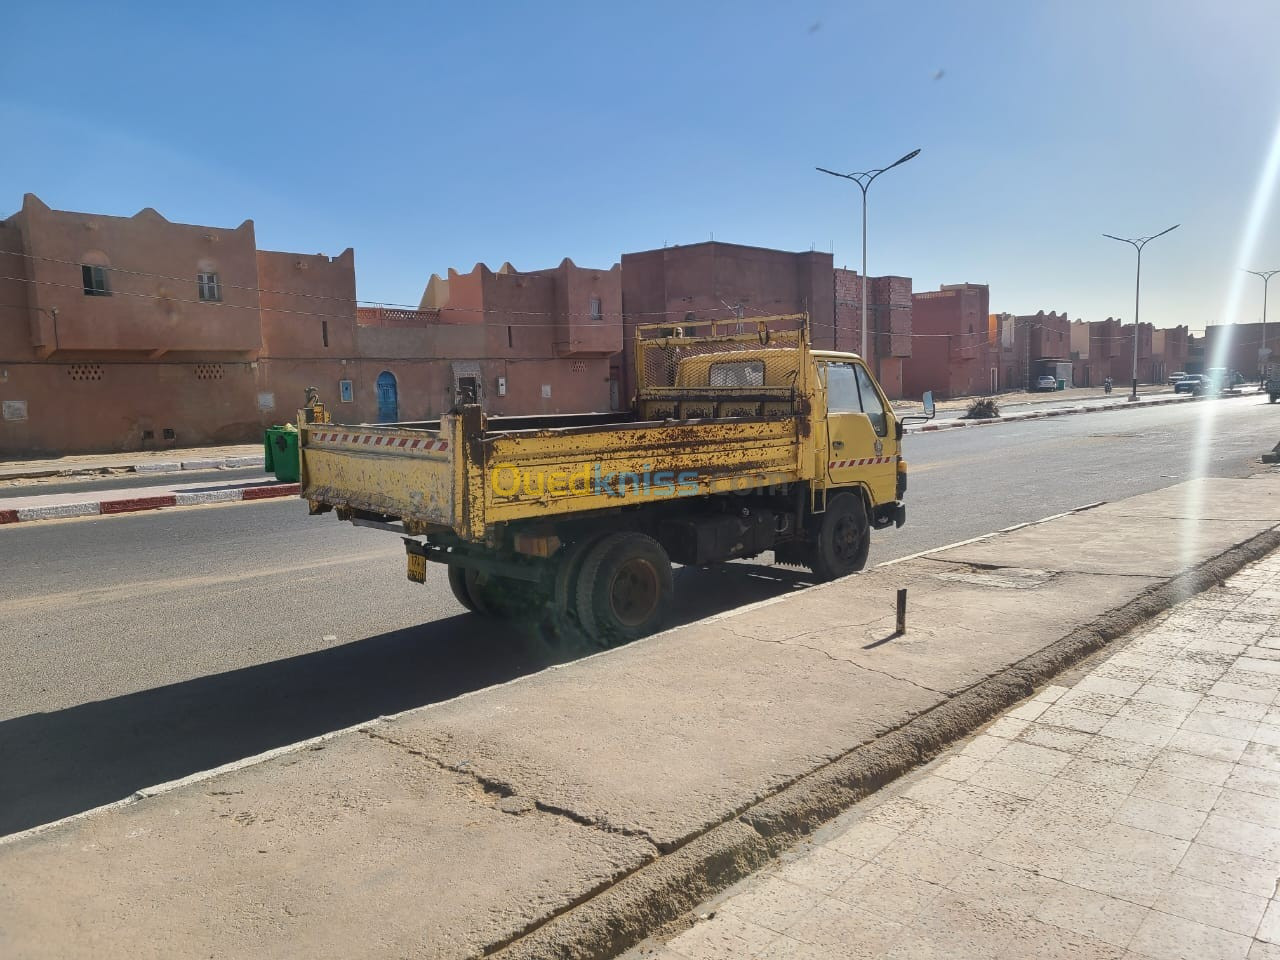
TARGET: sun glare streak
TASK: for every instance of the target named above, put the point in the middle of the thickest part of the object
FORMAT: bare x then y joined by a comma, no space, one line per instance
1260,205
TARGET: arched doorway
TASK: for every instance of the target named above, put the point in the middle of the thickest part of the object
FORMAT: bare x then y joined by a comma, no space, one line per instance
388,403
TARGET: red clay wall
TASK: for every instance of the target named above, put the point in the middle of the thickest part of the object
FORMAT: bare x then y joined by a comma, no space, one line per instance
153,308
701,278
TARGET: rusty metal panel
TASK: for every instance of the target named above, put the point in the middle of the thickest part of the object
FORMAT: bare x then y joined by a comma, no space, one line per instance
395,471
546,473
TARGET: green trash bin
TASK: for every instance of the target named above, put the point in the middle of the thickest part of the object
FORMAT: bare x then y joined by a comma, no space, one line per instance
1062,384
280,454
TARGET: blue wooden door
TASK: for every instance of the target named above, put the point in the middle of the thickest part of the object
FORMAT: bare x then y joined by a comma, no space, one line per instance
388,404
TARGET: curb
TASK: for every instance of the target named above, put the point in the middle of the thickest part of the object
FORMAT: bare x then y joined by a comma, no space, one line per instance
94,508
148,466
659,894
1060,412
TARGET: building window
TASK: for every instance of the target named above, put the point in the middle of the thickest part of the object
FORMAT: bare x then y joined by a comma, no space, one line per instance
597,313
95,281
209,287
324,331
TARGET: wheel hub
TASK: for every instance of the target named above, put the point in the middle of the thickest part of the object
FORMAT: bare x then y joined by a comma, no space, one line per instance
844,542
634,592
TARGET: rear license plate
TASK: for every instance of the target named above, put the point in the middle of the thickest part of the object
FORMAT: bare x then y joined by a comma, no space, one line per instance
417,568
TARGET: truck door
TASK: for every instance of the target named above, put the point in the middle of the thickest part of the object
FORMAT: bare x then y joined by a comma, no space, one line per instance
861,441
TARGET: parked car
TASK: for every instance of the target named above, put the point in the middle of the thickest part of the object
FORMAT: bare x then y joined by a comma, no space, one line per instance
1045,383
1225,378
1194,383
1175,377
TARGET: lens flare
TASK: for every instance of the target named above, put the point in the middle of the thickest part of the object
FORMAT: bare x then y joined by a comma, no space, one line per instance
1260,205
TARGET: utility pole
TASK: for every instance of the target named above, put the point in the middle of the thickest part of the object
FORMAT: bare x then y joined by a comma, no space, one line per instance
863,180
1138,243
1263,352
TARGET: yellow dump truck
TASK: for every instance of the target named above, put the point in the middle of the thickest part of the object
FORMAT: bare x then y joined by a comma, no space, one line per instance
740,440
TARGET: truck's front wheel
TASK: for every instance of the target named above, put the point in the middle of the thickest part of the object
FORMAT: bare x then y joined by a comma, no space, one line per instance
843,538
624,589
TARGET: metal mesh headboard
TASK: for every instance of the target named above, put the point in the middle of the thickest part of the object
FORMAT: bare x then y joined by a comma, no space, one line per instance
758,355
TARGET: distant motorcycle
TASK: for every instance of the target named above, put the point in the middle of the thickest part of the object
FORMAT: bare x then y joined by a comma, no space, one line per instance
1106,385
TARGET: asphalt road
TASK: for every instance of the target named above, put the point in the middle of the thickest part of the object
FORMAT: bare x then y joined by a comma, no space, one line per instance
140,648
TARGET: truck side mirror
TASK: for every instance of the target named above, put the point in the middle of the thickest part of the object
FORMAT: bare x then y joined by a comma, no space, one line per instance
929,411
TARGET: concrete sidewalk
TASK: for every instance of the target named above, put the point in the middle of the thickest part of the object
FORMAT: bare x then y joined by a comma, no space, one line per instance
953,422
88,503
137,461
1026,398
1132,810
572,812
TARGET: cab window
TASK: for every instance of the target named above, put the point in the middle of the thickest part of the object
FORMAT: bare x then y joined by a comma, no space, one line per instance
842,389
872,405
749,373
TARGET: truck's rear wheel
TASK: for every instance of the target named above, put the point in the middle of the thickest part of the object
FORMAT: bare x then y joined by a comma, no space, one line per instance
562,614
624,589
458,584
843,538
502,597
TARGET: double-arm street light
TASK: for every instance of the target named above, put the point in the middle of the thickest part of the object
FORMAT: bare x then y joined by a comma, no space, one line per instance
863,180
1138,243
1263,352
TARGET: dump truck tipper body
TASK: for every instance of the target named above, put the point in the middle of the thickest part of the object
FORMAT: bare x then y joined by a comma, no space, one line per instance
740,439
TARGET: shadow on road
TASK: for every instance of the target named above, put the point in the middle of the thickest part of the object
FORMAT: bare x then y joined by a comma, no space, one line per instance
63,762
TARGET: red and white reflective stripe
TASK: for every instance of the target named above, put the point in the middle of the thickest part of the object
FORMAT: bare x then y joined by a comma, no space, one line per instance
860,462
379,440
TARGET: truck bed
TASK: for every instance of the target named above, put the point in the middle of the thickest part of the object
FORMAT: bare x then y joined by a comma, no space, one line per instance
466,475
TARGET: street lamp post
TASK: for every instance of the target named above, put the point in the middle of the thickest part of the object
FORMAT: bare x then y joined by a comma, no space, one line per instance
1263,352
863,180
1138,243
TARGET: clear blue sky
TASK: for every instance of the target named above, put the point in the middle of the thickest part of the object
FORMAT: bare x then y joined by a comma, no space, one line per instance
434,135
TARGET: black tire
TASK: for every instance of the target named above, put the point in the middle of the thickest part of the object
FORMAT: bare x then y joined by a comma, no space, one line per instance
1274,397
458,584
842,539
625,589
501,597
562,608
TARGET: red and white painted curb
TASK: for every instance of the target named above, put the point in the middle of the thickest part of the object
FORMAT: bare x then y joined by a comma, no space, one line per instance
180,498
1060,412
